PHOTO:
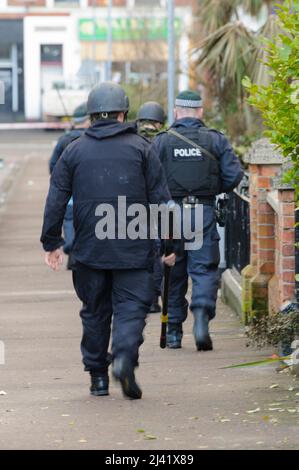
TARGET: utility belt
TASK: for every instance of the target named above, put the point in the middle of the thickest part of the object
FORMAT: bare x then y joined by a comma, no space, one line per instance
193,201
221,208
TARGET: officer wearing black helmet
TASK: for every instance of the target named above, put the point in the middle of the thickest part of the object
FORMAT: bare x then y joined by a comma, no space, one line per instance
79,124
112,275
150,121
199,164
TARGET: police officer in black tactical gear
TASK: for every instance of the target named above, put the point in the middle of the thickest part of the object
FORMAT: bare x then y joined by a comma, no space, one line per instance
112,275
80,122
199,163
150,121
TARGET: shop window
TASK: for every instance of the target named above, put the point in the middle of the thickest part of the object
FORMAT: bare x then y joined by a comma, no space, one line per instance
5,53
51,54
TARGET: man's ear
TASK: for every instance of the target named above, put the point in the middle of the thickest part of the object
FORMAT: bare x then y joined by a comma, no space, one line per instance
200,113
121,117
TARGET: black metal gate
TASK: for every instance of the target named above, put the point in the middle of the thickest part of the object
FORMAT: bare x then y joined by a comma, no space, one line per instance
237,232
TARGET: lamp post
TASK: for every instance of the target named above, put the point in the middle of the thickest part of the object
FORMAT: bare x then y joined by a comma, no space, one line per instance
171,60
109,42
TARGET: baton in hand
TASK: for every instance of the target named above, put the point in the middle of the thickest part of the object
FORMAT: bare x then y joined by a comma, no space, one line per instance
167,269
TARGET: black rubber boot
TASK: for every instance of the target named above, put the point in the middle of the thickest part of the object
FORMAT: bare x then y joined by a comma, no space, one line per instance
174,336
201,330
99,385
124,372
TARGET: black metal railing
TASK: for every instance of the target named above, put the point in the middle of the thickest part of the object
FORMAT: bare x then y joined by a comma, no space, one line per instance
237,232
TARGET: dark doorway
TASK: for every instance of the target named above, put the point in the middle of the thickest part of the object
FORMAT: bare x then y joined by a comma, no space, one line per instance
6,78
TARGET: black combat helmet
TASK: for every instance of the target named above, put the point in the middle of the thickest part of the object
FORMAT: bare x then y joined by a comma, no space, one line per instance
80,113
107,97
151,111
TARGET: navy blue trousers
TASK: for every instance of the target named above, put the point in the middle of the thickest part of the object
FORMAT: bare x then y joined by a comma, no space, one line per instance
202,267
114,301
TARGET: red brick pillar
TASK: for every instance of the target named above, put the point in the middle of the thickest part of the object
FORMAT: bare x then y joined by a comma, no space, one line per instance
264,163
287,245
282,284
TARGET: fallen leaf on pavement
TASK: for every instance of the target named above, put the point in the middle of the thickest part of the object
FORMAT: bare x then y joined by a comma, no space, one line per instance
274,386
149,437
253,411
2,392
273,420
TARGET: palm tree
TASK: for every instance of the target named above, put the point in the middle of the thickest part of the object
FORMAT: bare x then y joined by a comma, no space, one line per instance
227,50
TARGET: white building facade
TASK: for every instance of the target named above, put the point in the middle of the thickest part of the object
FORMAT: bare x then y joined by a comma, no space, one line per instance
65,45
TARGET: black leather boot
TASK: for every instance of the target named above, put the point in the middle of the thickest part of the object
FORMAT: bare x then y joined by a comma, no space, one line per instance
99,385
174,336
201,330
123,371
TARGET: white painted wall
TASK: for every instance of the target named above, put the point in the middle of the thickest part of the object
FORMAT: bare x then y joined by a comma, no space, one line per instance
47,30
3,5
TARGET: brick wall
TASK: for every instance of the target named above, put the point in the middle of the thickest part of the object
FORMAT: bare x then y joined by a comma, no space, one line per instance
269,280
282,285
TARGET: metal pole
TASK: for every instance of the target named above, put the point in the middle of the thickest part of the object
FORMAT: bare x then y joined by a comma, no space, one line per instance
109,42
94,43
171,60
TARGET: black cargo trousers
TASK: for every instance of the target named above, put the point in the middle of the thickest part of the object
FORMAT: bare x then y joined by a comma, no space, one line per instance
113,300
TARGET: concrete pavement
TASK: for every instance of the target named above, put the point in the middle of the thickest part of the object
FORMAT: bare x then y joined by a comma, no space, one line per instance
189,401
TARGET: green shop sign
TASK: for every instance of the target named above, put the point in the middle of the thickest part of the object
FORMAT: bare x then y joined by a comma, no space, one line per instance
126,29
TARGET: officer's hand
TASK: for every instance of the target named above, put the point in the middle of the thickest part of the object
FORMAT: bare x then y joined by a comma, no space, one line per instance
54,259
169,260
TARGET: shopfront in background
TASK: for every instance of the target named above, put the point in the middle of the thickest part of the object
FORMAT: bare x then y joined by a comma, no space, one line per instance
139,51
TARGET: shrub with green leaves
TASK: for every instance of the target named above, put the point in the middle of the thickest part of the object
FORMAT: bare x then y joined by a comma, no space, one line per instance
279,101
